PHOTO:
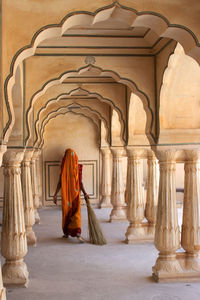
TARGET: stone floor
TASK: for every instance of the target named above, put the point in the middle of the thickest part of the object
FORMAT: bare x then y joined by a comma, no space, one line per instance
62,269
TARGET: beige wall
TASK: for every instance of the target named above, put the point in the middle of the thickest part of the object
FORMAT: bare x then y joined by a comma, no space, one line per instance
71,131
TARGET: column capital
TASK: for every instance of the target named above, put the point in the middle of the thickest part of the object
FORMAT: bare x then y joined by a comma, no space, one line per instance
28,155
192,155
166,154
13,158
117,151
136,152
105,150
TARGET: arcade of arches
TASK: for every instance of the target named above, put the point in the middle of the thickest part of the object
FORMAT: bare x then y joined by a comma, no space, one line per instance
119,83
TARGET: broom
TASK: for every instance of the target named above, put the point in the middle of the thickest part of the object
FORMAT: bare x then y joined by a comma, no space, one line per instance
95,232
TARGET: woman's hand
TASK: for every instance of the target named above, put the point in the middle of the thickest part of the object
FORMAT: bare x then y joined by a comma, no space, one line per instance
86,197
55,199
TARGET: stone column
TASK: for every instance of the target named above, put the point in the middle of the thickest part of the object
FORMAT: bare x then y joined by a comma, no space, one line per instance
106,178
167,229
134,196
39,177
36,200
117,191
29,213
13,237
3,149
190,237
152,191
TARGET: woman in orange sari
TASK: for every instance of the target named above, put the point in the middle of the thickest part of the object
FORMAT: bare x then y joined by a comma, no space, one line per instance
71,184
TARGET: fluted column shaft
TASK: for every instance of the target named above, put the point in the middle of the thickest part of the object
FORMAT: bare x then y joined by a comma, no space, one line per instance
36,200
39,177
152,189
134,195
13,237
29,214
117,192
167,229
106,178
3,149
190,237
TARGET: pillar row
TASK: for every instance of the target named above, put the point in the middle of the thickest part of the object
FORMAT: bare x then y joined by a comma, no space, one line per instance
13,237
106,178
117,191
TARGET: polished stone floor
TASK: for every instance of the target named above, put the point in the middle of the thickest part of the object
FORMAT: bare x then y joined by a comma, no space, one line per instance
63,269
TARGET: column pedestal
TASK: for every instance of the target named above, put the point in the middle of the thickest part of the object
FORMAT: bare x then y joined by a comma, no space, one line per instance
13,236
119,210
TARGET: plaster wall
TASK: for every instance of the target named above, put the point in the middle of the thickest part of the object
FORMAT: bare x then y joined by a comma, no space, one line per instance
137,122
71,131
180,100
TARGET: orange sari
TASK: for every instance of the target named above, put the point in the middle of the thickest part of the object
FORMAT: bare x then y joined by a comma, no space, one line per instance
70,190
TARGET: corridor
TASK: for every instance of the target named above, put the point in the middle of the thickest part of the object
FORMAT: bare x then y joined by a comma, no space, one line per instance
64,269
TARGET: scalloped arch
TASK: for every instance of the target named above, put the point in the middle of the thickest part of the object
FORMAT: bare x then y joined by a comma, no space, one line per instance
40,130
40,145
77,91
95,71
114,12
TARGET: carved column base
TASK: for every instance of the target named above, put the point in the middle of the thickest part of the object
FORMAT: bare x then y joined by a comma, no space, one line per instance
105,202
167,267
30,235
15,273
37,217
192,262
139,233
118,214
180,267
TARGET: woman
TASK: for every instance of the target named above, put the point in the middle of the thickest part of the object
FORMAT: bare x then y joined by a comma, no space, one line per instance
71,184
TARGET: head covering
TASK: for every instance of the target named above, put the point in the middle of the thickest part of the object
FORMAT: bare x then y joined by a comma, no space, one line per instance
70,189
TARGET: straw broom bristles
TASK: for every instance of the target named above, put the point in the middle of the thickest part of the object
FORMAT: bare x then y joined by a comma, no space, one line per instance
95,233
